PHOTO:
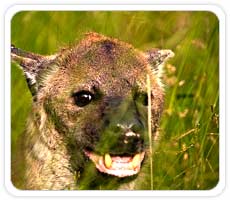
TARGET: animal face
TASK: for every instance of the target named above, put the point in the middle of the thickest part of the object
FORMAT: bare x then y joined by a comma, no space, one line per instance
93,97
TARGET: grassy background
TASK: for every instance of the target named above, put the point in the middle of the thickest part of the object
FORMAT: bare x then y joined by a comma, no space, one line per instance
188,155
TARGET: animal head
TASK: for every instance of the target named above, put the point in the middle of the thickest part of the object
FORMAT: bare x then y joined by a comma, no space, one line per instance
94,95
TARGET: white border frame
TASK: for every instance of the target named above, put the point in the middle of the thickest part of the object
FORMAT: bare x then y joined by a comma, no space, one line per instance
222,56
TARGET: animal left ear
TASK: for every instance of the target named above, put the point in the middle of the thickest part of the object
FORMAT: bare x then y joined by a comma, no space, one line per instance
157,58
32,65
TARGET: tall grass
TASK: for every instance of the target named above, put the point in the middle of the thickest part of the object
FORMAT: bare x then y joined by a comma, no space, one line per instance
188,153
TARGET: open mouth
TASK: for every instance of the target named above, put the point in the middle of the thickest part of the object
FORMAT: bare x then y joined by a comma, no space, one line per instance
120,166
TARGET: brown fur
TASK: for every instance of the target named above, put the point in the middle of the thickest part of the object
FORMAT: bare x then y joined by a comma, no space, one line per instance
58,131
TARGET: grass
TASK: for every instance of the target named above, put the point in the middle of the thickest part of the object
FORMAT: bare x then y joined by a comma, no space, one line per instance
188,153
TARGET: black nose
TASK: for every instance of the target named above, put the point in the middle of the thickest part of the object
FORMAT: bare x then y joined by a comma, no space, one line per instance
135,125
129,139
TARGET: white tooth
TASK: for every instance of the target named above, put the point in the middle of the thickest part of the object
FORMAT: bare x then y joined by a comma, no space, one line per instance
136,160
108,161
130,166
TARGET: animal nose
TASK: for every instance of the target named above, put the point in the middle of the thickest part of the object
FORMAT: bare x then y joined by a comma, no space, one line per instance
130,138
130,132
135,125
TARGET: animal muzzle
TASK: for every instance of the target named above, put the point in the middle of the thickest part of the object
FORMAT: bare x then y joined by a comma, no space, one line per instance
121,148
128,139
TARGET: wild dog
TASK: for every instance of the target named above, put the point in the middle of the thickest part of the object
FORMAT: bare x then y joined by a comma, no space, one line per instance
89,118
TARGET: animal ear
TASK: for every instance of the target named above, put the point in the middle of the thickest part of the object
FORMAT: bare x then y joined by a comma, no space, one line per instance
157,59
32,65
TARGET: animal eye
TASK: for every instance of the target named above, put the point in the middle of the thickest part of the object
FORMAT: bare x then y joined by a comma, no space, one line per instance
82,98
142,98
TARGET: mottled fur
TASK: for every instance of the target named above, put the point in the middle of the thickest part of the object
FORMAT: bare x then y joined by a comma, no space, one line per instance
58,130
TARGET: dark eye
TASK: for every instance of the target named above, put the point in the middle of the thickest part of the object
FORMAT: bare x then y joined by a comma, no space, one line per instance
142,98
82,98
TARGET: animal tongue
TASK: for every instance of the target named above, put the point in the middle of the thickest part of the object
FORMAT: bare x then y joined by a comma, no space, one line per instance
120,166
121,159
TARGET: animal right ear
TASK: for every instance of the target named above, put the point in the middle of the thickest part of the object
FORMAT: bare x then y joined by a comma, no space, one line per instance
31,65
157,58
